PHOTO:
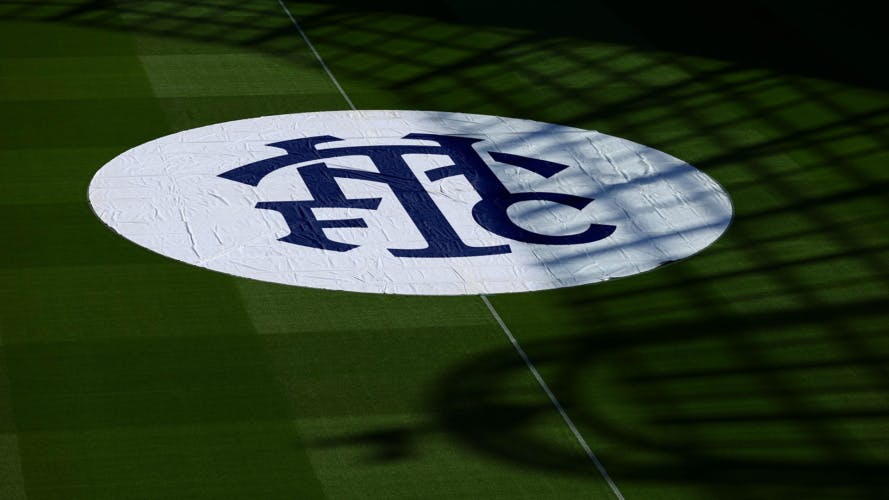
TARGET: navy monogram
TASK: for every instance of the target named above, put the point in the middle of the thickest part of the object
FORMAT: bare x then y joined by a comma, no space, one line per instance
441,238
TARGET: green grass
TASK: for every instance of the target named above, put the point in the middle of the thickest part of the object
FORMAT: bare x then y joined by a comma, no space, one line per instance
757,369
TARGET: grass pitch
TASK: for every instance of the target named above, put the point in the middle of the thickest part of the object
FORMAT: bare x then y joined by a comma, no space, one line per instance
757,369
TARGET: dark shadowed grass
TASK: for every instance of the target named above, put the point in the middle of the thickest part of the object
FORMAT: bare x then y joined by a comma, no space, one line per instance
754,370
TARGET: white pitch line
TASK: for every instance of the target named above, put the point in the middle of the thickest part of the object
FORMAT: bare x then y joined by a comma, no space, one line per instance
317,55
515,343
553,399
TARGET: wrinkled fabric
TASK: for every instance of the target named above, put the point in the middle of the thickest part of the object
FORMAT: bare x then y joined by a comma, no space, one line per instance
410,202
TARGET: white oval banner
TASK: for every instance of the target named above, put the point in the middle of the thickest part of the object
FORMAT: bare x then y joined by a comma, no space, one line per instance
410,202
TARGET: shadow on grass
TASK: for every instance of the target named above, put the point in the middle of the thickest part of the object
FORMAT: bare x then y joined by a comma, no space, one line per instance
756,368
738,404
